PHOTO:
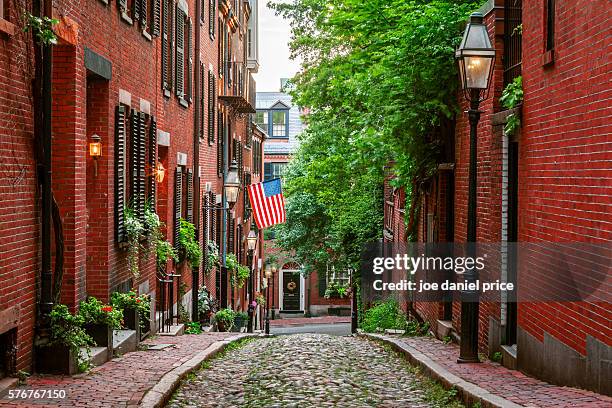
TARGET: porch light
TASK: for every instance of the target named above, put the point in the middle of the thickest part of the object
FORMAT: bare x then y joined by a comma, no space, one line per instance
232,183
95,151
160,172
252,240
475,56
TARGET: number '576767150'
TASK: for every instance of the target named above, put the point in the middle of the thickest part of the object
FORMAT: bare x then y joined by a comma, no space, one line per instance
36,394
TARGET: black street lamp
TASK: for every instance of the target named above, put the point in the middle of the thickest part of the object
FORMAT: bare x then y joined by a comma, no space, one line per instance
269,276
251,244
231,183
475,56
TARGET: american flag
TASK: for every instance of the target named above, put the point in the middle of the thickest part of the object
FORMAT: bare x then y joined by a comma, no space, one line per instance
268,203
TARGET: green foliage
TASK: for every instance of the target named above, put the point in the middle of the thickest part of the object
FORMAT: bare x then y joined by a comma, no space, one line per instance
414,328
512,96
241,316
95,312
134,230
131,300
67,330
384,315
192,253
497,357
379,79
335,290
41,28
226,317
193,328
164,251
206,301
213,256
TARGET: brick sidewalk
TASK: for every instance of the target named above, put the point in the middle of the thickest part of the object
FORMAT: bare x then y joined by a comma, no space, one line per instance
500,381
302,321
122,381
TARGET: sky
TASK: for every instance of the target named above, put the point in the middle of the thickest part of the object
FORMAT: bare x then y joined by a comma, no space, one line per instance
274,62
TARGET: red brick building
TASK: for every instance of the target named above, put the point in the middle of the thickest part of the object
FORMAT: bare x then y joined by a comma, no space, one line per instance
156,82
550,182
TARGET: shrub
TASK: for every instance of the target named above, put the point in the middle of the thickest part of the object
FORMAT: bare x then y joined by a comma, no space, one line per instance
225,317
190,246
95,312
384,315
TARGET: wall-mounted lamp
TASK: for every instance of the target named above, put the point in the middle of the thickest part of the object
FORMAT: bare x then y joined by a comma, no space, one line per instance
160,172
95,151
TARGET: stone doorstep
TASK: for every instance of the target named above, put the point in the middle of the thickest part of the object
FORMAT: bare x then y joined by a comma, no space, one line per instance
161,392
175,330
125,341
6,384
98,356
509,356
470,393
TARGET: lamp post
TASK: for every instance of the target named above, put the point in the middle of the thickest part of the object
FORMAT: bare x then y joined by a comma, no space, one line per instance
231,183
231,186
268,278
251,244
475,57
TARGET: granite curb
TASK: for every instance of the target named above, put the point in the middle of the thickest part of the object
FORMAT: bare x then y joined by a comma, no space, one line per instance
162,391
469,392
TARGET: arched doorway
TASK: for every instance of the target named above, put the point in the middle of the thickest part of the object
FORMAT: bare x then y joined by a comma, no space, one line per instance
291,288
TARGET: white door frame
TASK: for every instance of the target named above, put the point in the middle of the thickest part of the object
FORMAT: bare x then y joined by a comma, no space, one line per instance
281,287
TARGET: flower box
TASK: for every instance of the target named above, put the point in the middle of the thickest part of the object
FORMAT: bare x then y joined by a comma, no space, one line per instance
131,319
102,334
56,359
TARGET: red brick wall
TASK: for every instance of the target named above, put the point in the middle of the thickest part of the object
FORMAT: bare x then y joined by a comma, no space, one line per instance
565,161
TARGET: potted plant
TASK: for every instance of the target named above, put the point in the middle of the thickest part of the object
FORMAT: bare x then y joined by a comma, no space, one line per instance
100,320
206,305
335,290
62,355
190,250
225,319
135,308
240,320
239,273
212,256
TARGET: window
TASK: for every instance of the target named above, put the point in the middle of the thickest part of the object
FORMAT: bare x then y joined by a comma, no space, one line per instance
183,52
250,43
261,118
339,277
212,12
550,25
167,41
279,124
273,170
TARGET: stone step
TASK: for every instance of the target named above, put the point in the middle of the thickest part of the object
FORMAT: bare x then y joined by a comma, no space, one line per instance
125,341
98,356
509,356
175,330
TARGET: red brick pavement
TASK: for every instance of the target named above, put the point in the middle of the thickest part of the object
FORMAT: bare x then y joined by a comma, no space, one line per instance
121,382
302,321
509,384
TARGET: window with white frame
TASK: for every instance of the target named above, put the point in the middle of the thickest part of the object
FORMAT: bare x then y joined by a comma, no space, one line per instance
279,123
341,277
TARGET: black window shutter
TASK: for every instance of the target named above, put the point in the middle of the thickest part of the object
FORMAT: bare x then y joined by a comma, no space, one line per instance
178,202
213,219
134,150
190,195
239,251
231,234
136,8
220,146
143,12
247,203
122,5
155,29
202,100
153,163
211,110
212,11
205,228
240,161
189,79
142,137
120,233
166,29
322,282
180,52
267,171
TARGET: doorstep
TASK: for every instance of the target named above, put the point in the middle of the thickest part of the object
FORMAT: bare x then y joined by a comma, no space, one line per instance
98,356
175,330
124,341
509,356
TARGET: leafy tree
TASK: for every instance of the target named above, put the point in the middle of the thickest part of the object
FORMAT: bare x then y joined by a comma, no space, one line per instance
379,80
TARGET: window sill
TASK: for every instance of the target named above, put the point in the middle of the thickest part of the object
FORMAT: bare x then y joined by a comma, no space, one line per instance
167,93
548,58
183,102
126,18
7,27
146,35
279,137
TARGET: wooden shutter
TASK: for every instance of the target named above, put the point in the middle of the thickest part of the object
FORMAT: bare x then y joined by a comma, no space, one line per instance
220,145
142,137
201,105
231,234
322,281
205,229
189,79
213,218
178,202
120,134
212,17
134,150
122,5
239,251
179,46
136,9
240,161
152,164
166,51
189,215
267,171
212,103
155,23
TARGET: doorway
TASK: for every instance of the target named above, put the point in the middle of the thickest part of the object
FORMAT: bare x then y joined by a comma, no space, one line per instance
513,183
291,290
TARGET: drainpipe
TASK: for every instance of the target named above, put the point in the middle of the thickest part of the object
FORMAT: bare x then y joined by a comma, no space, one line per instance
46,297
224,213
195,271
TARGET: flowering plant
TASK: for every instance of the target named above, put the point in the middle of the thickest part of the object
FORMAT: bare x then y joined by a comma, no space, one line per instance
130,300
93,311
260,299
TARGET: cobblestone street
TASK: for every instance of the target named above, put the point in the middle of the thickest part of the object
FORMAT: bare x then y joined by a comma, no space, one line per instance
305,370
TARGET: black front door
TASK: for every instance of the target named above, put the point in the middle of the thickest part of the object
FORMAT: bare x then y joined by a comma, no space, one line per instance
291,291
